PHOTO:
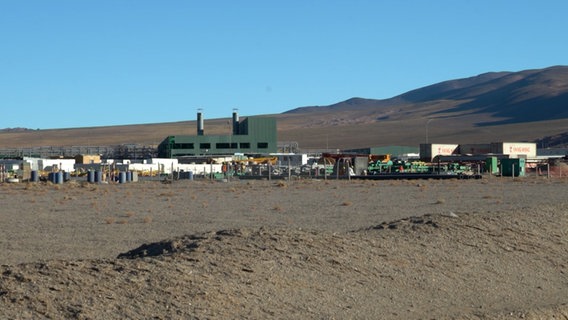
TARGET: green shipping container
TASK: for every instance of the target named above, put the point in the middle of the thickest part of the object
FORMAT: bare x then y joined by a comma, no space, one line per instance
513,167
492,165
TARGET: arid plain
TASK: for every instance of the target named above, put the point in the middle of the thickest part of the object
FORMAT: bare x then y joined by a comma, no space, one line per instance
457,249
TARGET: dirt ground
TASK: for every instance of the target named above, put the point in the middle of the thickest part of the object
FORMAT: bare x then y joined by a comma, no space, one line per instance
495,248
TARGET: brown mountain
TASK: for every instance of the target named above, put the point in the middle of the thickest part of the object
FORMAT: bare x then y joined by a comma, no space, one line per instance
497,106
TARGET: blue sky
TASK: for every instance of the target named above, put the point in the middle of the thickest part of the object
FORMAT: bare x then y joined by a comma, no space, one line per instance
74,63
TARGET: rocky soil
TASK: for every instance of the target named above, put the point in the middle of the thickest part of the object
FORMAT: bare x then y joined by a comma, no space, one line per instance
484,249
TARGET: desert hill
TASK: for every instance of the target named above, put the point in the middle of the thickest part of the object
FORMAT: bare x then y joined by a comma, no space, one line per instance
495,106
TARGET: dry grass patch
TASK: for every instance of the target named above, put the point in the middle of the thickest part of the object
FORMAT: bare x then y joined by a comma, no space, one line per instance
281,184
440,201
30,186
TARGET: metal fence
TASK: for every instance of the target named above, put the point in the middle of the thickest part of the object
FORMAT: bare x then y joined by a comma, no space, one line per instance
106,152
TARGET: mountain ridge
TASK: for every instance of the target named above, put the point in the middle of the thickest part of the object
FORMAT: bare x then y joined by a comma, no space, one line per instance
495,106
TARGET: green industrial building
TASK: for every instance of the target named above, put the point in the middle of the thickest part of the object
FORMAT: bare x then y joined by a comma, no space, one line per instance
253,135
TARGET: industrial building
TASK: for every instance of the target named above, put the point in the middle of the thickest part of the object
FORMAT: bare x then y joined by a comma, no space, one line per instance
527,150
253,135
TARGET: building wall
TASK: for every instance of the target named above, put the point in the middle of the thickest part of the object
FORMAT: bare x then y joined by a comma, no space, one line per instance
515,149
257,135
87,158
429,151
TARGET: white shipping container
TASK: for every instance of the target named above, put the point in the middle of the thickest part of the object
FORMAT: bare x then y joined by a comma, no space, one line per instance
203,168
428,151
515,149
165,165
67,165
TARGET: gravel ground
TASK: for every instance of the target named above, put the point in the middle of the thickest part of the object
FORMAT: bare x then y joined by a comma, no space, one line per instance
417,249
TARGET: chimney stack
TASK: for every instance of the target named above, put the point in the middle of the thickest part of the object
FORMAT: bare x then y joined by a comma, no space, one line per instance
235,122
199,122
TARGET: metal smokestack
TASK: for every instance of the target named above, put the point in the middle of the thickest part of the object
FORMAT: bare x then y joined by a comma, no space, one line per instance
199,122
235,122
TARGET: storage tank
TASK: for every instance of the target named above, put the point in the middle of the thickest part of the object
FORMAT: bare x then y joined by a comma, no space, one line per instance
34,177
91,176
430,150
122,177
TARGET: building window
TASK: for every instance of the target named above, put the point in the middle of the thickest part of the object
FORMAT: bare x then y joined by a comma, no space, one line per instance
262,145
183,146
245,145
226,145
205,146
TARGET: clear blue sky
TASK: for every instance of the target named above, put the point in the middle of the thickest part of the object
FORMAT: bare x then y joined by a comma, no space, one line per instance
80,63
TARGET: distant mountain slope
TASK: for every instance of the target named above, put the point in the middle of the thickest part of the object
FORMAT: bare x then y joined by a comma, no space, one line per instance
528,105
513,97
